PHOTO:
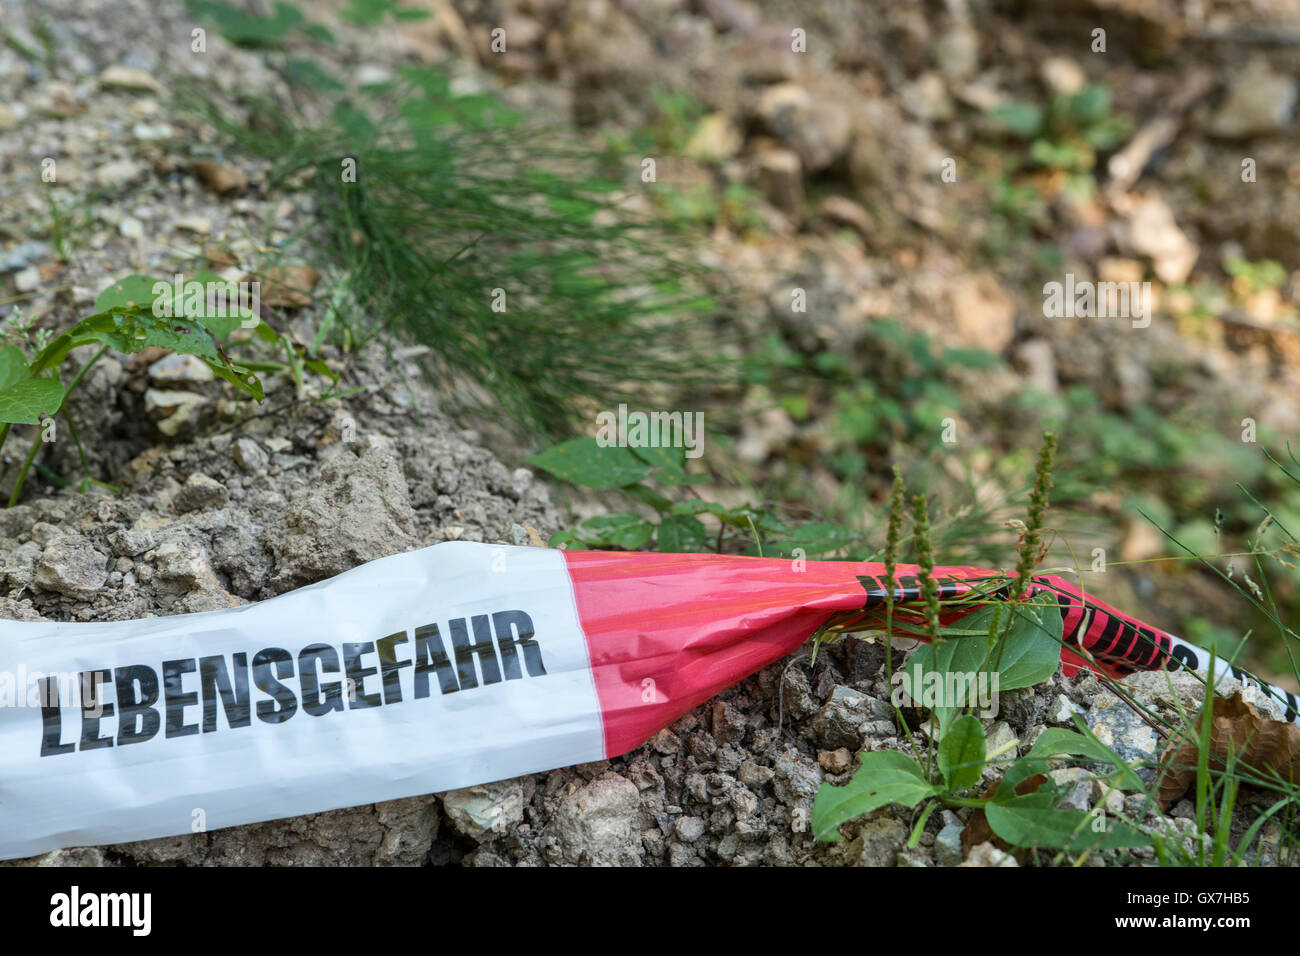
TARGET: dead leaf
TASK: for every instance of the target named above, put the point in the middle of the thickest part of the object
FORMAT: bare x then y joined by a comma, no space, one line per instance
219,257
288,287
1237,728
221,178
977,829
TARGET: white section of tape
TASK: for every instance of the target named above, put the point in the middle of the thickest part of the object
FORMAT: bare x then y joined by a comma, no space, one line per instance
170,783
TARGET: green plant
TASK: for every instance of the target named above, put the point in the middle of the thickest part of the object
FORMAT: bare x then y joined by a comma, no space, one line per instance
132,314
489,241
676,526
1022,819
1069,131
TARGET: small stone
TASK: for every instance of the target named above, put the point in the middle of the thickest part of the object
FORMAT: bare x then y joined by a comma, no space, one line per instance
222,178
8,119
249,456
171,409
837,724
815,128
27,280
927,99
957,52
118,173
597,824
199,225
177,369
129,79
715,139
986,854
152,132
780,180
1062,75
947,845
200,493
1123,731
845,212
71,566
485,812
1076,786
1259,101
688,829
754,776
985,314
834,761
130,227
1154,232
1063,710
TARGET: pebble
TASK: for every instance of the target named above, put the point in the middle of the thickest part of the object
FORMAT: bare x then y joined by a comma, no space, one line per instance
485,812
27,280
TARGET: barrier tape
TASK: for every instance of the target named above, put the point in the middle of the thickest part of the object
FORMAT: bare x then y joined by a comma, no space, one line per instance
455,665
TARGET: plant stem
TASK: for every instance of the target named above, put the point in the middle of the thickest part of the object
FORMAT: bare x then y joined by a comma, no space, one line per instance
31,455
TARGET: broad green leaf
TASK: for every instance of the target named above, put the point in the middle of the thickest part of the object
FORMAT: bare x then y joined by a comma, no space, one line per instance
667,459
1022,118
886,776
961,754
133,291
13,366
131,330
627,531
584,462
23,403
1028,822
681,534
1031,651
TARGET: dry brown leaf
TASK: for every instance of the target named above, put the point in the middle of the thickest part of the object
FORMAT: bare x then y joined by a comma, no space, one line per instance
288,287
977,829
1237,728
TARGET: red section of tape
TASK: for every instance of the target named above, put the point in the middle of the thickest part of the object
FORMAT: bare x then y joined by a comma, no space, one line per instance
668,631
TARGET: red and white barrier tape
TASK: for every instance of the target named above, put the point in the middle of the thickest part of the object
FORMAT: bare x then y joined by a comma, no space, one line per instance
446,667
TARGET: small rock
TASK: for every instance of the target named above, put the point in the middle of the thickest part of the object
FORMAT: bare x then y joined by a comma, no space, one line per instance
1062,75
129,79
199,225
957,52
927,99
1153,232
715,139
118,173
1258,101
780,180
877,842
200,493
985,315
249,456
688,829
8,119
1063,710
1119,728
845,212
222,178
71,566
597,824
834,761
815,128
130,227
754,776
177,369
986,854
27,280
171,410
837,724
485,812
947,845
1076,786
